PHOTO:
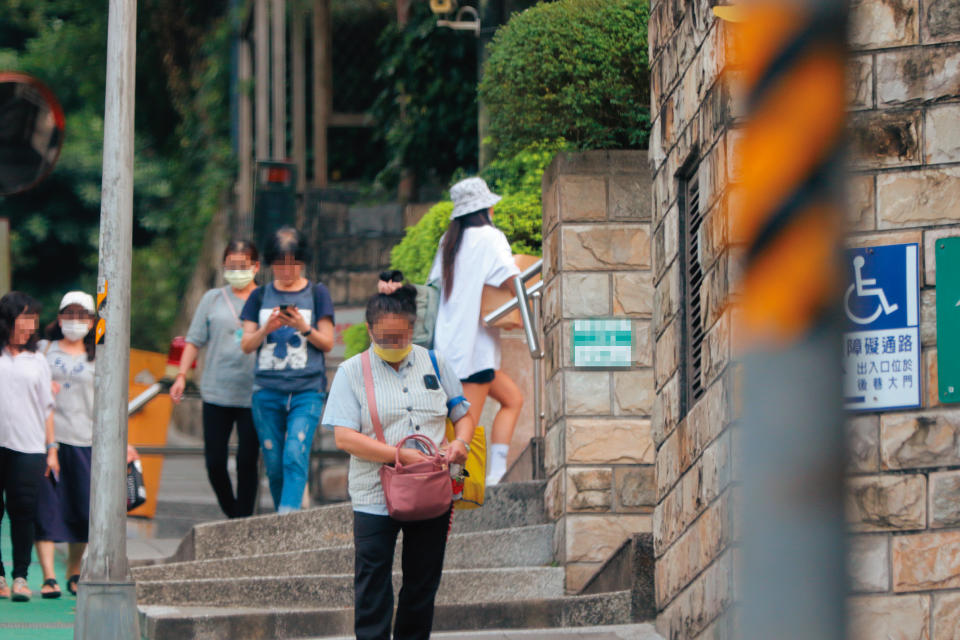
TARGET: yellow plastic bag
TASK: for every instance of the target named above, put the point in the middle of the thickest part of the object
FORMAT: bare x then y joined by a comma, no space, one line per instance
474,484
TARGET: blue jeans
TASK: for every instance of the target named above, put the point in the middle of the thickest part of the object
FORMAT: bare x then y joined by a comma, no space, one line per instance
285,424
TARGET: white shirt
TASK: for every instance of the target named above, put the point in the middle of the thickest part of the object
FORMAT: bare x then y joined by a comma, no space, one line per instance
484,258
26,400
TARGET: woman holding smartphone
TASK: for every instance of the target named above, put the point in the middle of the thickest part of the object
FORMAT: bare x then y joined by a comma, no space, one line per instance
289,324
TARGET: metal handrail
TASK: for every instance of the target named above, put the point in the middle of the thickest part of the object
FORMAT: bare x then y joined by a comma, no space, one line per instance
528,301
508,307
533,340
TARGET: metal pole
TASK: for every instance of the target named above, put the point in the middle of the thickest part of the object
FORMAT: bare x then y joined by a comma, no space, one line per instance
537,448
261,70
322,88
245,139
793,582
279,81
107,606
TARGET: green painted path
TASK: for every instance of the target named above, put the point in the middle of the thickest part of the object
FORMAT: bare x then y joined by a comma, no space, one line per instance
38,619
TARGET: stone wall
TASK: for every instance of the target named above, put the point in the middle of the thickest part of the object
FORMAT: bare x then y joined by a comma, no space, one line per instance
693,517
598,450
904,490
904,487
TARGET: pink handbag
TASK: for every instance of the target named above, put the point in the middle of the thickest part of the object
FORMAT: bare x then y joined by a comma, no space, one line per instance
420,491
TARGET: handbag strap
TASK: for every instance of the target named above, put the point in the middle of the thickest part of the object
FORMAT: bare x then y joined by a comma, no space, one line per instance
371,396
233,309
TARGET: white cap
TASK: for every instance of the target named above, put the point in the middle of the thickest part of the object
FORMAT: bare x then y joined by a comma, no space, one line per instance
471,195
85,300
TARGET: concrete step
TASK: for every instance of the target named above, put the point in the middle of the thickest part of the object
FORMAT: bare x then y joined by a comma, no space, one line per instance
220,623
336,591
511,505
519,547
642,631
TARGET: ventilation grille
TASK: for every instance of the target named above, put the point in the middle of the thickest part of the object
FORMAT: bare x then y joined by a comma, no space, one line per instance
693,281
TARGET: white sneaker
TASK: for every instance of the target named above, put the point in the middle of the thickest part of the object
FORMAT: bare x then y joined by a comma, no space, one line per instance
494,479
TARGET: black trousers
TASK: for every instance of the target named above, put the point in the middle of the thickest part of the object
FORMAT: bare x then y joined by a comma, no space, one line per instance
20,476
218,423
375,540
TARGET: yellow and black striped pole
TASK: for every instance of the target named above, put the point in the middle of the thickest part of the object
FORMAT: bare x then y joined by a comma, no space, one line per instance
790,58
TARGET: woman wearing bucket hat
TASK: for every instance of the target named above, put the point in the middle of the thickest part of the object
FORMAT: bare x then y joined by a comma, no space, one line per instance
474,253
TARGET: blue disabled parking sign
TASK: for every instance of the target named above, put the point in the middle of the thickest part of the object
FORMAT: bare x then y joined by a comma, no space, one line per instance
881,345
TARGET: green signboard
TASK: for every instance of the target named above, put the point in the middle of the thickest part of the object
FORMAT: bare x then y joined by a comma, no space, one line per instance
603,343
948,318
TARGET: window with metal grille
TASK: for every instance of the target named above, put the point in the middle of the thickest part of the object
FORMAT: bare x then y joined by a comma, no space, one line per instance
691,219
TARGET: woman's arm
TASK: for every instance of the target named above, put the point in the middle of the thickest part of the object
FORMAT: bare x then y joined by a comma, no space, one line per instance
366,448
254,335
463,432
190,352
322,335
53,459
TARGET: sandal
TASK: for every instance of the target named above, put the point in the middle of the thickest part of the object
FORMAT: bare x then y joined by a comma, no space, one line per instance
72,584
21,592
4,589
50,595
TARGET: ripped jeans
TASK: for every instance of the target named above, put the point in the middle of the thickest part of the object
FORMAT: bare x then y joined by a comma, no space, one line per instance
285,424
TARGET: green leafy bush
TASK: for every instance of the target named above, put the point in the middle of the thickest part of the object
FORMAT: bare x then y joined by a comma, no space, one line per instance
355,339
426,114
571,68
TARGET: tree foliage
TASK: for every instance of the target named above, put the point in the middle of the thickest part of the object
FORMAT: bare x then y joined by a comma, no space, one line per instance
576,69
427,113
183,161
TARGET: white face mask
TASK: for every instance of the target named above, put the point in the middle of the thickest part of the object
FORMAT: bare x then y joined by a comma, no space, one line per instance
74,330
238,278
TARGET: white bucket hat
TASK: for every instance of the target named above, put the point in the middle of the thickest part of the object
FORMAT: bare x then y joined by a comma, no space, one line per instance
471,195
85,300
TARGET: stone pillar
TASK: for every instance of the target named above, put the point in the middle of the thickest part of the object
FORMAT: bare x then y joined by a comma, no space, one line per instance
599,453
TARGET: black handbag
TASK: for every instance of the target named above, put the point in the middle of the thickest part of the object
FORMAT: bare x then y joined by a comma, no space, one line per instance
136,491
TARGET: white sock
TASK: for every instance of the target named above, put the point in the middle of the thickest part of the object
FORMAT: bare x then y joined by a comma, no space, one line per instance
497,463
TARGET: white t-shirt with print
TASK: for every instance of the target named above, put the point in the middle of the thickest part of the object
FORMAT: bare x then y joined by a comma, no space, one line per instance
484,257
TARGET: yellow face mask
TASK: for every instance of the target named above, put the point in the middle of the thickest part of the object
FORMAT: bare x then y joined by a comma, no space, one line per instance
392,355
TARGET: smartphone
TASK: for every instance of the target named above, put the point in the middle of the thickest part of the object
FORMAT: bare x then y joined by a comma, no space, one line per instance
284,307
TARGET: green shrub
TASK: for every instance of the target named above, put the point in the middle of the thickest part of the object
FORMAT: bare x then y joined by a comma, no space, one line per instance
576,69
355,339
426,114
414,254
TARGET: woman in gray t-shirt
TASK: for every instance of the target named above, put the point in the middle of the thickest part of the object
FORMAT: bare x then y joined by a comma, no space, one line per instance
227,380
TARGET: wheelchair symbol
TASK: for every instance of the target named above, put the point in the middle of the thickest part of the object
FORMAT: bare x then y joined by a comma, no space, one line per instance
860,284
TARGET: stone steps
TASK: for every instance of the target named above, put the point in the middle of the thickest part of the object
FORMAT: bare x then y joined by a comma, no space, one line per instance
511,505
640,631
456,586
522,546
291,576
208,623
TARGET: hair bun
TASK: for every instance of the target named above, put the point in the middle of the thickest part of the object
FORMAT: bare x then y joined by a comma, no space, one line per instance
406,292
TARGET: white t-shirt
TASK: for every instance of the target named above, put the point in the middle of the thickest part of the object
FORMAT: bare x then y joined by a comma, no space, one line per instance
26,400
484,257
